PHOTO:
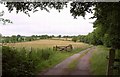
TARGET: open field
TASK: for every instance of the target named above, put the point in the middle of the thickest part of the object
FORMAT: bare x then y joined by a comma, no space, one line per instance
65,39
48,44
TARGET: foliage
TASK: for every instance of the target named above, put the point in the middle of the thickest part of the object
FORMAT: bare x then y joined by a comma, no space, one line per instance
80,8
25,7
17,62
106,26
107,20
74,39
21,62
19,38
59,36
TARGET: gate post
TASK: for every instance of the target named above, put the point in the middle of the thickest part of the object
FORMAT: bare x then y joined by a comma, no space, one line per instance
111,61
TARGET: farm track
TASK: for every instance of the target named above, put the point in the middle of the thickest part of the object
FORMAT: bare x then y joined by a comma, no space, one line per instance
82,68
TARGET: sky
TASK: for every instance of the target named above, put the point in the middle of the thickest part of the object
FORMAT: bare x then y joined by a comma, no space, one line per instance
43,22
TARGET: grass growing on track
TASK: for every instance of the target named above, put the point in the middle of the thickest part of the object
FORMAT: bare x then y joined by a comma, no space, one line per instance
99,61
74,63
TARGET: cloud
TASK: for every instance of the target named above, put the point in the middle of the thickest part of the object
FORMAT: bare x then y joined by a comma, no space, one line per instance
42,22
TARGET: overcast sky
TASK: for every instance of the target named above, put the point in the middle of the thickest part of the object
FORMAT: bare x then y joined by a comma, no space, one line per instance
42,22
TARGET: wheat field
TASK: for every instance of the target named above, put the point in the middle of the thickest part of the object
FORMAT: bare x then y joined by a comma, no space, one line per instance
47,43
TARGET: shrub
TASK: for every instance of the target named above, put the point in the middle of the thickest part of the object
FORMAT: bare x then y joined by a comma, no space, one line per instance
74,39
21,62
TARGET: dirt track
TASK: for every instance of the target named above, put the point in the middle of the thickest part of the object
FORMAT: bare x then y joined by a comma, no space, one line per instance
82,67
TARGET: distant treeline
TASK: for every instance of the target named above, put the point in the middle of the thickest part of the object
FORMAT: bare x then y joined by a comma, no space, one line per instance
19,38
93,38
90,39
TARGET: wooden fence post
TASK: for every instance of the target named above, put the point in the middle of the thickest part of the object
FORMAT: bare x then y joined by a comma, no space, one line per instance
111,61
56,48
63,48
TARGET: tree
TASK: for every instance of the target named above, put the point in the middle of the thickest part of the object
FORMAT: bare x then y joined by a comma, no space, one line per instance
19,38
14,39
1,38
107,15
74,39
59,36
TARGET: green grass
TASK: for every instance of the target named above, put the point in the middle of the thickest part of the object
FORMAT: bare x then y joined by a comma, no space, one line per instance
56,58
26,62
73,64
99,61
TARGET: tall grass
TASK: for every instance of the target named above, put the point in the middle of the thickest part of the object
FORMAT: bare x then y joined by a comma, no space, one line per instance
21,61
99,61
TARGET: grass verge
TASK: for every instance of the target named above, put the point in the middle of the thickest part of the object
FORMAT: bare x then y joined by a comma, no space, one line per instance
98,61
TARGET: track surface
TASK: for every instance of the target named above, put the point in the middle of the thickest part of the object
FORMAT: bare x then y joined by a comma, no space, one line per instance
82,68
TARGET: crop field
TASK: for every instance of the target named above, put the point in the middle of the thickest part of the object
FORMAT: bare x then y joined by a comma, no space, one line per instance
68,39
48,44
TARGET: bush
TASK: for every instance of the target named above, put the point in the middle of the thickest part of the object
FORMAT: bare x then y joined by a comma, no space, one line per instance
16,63
74,39
21,62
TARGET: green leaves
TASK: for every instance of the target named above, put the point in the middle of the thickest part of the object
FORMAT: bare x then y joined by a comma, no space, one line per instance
80,8
74,39
22,62
108,17
25,7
